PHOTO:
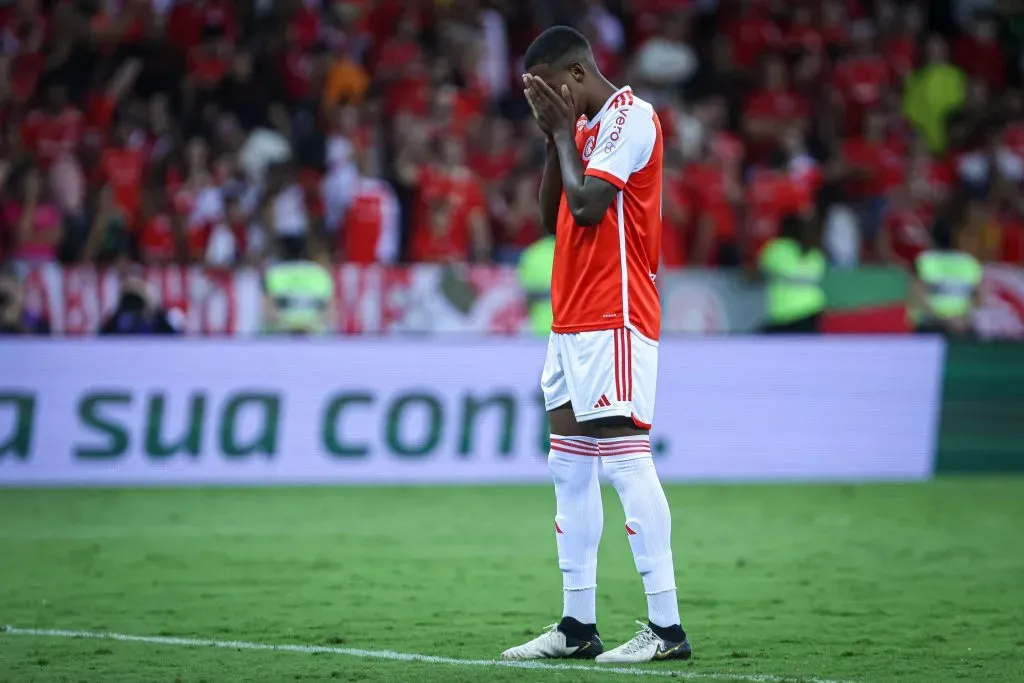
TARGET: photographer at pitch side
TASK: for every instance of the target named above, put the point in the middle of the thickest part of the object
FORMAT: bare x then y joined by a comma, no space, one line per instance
137,311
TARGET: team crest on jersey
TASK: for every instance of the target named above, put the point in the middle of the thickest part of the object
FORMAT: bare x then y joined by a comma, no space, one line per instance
581,123
588,149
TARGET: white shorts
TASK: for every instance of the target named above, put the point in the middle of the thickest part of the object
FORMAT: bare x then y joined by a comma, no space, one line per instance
607,373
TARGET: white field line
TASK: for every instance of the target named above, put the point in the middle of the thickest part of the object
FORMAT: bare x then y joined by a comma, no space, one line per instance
409,657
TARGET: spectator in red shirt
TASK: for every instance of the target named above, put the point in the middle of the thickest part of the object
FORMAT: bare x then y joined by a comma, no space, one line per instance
22,39
35,222
495,153
714,194
160,237
1011,218
770,109
750,35
802,35
860,79
210,62
871,169
678,214
55,129
187,22
774,192
907,228
401,49
122,166
369,232
902,48
980,54
450,224
519,223
835,23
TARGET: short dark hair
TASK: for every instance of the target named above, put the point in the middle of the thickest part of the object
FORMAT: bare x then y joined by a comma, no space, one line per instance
554,45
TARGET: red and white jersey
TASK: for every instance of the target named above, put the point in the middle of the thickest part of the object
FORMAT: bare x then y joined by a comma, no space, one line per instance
604,274
370,233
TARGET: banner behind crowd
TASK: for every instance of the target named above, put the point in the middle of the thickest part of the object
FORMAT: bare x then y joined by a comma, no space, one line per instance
487,300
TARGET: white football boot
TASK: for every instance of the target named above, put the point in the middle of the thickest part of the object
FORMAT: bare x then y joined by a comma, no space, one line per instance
553,644
646,646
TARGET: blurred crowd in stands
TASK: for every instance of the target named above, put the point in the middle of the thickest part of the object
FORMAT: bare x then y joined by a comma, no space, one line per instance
204,131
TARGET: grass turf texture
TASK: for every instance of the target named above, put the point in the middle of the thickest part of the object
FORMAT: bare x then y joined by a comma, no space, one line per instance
910,583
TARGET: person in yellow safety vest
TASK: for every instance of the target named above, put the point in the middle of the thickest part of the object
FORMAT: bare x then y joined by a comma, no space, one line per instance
946,290
298,292
794,268
932,92
535,278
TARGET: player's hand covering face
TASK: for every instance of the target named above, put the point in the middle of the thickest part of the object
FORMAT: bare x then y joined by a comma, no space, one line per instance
555,112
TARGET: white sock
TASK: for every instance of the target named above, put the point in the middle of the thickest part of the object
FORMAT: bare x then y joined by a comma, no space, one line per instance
579,520
630,468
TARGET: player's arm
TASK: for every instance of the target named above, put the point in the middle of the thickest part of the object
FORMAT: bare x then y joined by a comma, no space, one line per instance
588,196
550,190
623,146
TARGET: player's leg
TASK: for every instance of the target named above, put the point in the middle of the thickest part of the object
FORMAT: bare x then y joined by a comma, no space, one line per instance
579,521
618,377
629,466
579,518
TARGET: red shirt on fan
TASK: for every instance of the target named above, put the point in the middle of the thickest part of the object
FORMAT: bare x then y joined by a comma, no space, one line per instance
186,21
751,36
884,168
861,81
908,231
771,195
1013,239
123,168
983,59
208,64
727,147
409,94
99,118
804,37
492,166
396,53
51,135
304,27
603,275
775,106
369,233
676,229
901,53
298,73
707,184
1013,138
157,243
446,203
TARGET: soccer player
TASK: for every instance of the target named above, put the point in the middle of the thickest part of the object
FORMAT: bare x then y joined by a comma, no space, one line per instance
601,196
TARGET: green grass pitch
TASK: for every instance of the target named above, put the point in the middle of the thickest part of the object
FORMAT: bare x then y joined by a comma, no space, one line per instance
918,583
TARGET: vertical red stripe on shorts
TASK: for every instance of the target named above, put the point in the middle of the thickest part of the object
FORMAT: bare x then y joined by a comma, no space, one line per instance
618,372
629,365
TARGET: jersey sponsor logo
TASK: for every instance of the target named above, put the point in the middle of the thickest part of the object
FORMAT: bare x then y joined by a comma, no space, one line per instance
588,148
616,134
